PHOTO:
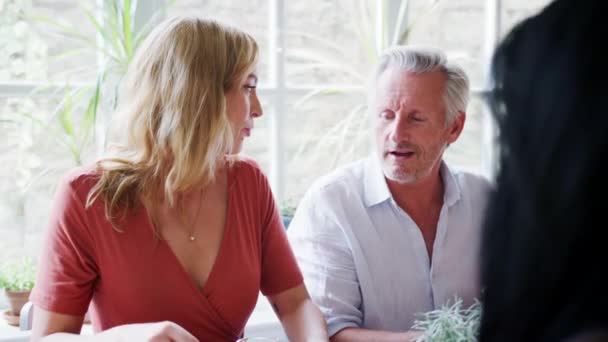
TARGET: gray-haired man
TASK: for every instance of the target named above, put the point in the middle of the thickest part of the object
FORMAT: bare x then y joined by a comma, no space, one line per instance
386,238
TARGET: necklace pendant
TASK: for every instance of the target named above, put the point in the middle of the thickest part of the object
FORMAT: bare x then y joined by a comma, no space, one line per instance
192,238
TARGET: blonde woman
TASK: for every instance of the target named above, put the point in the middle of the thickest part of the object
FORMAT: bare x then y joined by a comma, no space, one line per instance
172,237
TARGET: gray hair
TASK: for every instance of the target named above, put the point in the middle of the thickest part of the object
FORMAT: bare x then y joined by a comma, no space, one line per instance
422,60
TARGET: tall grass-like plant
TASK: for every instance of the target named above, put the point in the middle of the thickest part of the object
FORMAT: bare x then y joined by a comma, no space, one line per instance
450,323
82,109
345,140
79,111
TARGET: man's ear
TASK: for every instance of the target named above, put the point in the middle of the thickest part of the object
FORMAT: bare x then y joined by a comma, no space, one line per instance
455,128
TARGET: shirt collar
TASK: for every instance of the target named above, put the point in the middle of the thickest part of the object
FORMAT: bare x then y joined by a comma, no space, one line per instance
374,185
451,187
376,190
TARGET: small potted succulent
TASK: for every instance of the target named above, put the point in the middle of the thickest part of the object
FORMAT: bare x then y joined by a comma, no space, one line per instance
17,279
450,323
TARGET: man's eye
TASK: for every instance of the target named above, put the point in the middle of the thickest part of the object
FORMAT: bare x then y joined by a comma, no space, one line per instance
417,118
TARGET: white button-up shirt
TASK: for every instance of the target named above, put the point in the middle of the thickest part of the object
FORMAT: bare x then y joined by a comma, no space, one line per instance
364,259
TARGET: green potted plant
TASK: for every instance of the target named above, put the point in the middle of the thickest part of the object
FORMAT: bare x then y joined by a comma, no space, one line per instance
17,278
450,323
288,209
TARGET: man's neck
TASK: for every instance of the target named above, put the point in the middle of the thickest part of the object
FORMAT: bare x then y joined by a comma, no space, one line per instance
417,198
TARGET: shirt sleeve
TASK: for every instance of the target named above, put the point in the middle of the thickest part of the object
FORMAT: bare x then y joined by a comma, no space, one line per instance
326,261
280,270
66,270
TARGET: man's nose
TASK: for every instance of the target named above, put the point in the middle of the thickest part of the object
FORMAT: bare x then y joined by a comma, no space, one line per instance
399,129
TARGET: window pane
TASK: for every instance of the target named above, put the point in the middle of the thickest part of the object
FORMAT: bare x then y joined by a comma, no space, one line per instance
515,11
456,27
32,160
326,43
323,133
250,16
465,154
32,49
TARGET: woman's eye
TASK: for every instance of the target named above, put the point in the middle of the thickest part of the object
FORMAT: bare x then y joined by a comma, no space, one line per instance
387,115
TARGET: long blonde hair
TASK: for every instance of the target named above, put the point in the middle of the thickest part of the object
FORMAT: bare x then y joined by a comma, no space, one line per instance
173,103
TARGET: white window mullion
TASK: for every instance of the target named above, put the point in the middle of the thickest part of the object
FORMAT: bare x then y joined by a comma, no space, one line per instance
100,121
489,148
276,46
25,88
395,13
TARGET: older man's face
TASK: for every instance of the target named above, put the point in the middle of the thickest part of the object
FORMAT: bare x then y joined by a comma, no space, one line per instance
410,124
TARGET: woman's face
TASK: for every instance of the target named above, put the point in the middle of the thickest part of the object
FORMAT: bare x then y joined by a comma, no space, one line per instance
243,105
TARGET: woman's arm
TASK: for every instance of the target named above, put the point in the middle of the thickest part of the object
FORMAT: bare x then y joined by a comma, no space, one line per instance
46,323
299,316
51,326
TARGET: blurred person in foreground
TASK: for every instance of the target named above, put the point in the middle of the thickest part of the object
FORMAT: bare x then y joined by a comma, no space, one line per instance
544,247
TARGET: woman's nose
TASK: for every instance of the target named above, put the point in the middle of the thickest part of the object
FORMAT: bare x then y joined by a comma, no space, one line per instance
256,108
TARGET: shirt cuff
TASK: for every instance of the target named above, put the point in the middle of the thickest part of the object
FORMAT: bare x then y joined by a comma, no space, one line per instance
335,327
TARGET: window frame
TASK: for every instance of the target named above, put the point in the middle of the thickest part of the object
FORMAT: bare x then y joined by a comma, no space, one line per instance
276,89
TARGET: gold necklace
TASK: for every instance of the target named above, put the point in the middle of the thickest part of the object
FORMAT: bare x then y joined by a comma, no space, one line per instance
191,236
